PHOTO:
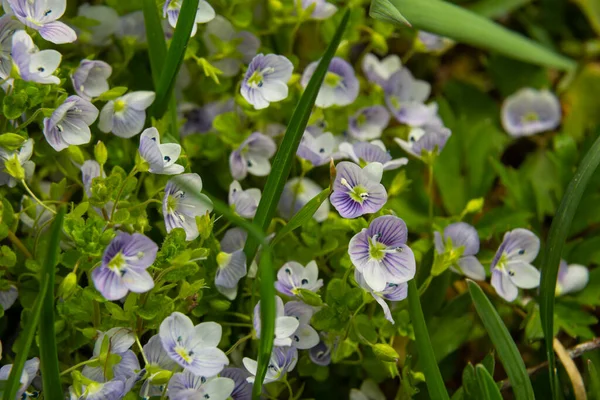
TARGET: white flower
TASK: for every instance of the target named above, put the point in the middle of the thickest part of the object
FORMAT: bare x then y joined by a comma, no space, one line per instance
160,157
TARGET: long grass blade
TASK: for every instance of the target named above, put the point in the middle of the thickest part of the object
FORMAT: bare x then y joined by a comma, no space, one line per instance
505,346
433,377
495,9
446,19
47,335
488,387
155,36
559,231
287,151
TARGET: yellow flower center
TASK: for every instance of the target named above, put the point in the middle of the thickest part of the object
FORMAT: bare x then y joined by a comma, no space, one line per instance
119,105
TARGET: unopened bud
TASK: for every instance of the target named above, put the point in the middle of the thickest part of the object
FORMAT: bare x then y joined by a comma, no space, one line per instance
385,352
68,285
100,153
220,305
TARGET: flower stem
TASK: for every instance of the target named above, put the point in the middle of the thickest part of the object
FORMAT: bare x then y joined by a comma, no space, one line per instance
287,383
137,341
430,193
31,119
17,242
239,342
41,203
131,174
81,364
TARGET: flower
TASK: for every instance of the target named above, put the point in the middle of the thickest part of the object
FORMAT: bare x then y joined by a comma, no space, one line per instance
233,48
158,364
266,80
185,386
459,245
293,276
132,26
107,22
111,390
340,86
32,64
22,156
204,13
405,97
117,341
232,262
34,216
8,27
320,8
425,142
160,157
30,370
511,267
183,202
381,255
90,170
380,71
70,123
296,193
318,149
432,43
42,16
357,191
368,123
8,297
125,116
252,156
193,347
530,111
305,337
369,390
571,278
320,354
200,119
283,360
392,292
124,265
243,202
90,78
284,326
242,389
365,153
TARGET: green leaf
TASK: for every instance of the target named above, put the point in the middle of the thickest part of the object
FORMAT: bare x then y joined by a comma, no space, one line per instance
488,387
157,46
507,349
462,25
287,150
495,9
433,377
113,93
594,378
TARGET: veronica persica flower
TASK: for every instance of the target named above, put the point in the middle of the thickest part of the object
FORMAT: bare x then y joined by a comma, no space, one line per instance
200,119
571,278
284,326
320,354
380,253
305,337
172,9
8,297
293,276
125,116
30,370
232,262
119,341
365,153
107,22
357,191
392,292
432,43
70,123
159,365
368,123
511,267
380,71
8,26
425,142
32,64
112,390
340,87
193,347
185,385
405,97
181,207
457,247
321,9
42,16
242,389
296,193
243,202
283,360
90,170
132,25
161,158
22,156
124,266
530,111
90,78
266,80
318,149
252,157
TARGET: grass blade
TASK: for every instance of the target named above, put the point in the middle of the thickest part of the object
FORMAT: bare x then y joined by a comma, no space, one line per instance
287,151
557,236
155,36
48,351
495,9
442,18
506,348
433,377
486,384
303,215
181,37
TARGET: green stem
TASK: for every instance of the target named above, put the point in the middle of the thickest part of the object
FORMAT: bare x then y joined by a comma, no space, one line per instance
81,364
17,242
41,203
287,383
430,193
31,119
137,341
131,174
239,342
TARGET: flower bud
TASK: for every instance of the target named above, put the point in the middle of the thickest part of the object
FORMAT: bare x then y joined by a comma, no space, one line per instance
14,168
161,378
100,153
473,206
310,298
220,305
385,352
68,285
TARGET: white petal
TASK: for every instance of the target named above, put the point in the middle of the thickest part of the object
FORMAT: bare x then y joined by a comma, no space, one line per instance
306,338
472,268
576,279
105,122
375,171
375,276
503,285
218,388
44,62
58,33
523,275
285,326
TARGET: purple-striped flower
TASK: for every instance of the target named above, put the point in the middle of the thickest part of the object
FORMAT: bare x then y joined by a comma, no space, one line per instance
193,347
340,87
122,368
284,326
23,155
200,119
296,193
321,353
368,123
433,43
530,111
392,292
252,157
457,248
365,153
293,276
90,170
70,123
380,71
511,267
32,64
172,8
571,278
111,390
125,116
242,389
243,202
8,27
357,191
232,262
43,16
186,386
318,149
159,362
181,207
90,78
321,9
160,157
266,80
425,142
381,255
405,97
283,360
30,370
305,337
124,265
106,19
8,297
